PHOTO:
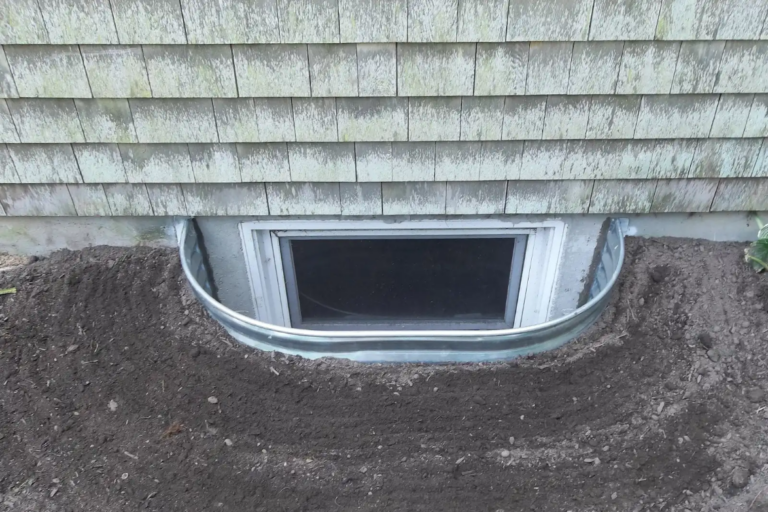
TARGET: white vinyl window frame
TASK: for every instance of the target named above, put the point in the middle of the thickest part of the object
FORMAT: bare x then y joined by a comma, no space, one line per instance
264,260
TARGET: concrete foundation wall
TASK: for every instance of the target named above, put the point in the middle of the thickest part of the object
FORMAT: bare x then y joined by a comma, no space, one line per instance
42,236
718,227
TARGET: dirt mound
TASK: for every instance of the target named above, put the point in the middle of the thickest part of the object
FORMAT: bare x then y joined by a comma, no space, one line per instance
119,393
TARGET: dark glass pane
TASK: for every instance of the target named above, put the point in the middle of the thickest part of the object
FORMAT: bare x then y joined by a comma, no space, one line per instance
402,279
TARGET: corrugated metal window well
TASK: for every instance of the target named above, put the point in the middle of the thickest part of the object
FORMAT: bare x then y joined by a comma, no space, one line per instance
427,291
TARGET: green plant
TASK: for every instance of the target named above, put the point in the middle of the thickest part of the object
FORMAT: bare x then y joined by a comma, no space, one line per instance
757,252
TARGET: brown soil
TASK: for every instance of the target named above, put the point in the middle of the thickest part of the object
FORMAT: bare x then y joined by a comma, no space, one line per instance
117,393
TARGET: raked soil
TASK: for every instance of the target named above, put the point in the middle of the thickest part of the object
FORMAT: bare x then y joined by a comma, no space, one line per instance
118,393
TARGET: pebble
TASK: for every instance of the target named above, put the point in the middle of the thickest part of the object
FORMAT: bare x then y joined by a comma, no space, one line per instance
706,340
671,385
195,352
755,395
505,453
745,323
228,442
750,294
717,329
213,400
740,478
32,259
658,274
511,440
363,469
124,476
713,355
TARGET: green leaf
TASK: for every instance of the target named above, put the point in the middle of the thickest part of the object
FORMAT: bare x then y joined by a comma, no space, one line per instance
763,229
757,254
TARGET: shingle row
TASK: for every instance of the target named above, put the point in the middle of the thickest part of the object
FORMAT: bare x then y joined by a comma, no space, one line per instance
414,198
377,70
383,161
383,119
335,21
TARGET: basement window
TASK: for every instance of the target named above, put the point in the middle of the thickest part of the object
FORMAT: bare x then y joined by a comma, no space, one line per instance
384,282
416,275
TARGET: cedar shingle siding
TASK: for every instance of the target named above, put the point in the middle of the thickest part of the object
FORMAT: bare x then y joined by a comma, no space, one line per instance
371,107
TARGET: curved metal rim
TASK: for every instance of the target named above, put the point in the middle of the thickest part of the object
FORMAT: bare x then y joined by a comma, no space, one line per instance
299,341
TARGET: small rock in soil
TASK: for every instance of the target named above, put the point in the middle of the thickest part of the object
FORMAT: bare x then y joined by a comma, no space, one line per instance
228,442
670,384
713,355
659,273
194,352
511,440
740,478
755,395
706,340
505,453
112,405
32,259
213,400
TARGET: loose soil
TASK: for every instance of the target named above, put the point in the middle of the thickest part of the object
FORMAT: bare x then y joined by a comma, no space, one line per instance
117,392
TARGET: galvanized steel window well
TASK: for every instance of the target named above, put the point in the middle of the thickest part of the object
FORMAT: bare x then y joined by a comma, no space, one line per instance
408,345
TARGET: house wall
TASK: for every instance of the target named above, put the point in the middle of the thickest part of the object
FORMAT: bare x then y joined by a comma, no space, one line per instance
361,107
117,115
